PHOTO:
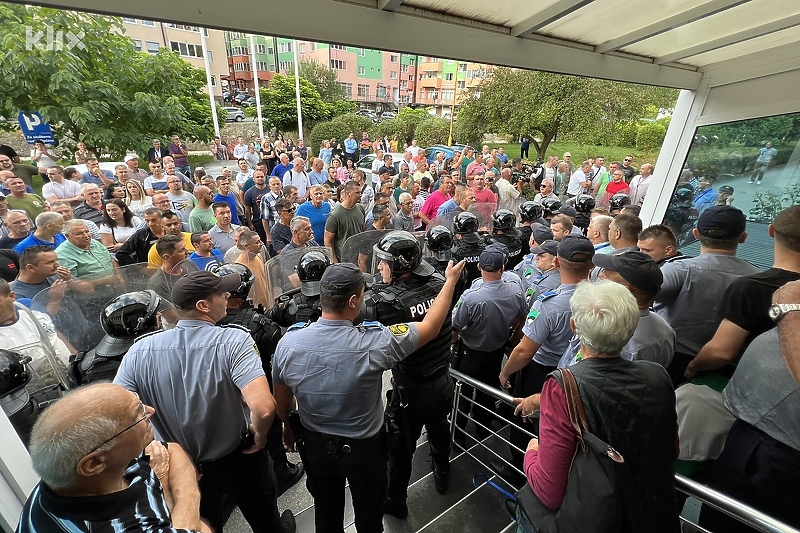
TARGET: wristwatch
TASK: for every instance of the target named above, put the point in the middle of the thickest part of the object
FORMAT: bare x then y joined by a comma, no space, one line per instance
778,311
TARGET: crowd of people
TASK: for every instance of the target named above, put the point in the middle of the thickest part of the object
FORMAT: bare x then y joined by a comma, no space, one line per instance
676,358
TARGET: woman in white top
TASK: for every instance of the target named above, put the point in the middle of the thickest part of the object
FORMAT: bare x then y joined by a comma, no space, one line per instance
43,159
118,225
135,198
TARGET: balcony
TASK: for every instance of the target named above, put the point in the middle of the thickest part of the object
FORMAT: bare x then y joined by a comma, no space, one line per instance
431,66
433,83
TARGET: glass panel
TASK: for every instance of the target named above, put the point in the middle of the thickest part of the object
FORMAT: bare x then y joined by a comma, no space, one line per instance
753,165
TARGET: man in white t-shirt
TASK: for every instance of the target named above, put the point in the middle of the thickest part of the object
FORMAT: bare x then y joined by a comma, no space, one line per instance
297,177
414,148
244,172
60,189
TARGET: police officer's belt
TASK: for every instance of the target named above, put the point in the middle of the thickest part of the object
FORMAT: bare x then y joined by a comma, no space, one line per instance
333,445
417,386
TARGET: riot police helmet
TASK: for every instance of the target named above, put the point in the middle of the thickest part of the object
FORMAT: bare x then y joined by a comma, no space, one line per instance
465,222
439,238
550,206
131,314
310,269
684,193
504,219
13,373
584,203
244,273
530,211
400,250
618,201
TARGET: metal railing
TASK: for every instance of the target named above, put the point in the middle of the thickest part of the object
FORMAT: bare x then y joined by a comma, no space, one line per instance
731,507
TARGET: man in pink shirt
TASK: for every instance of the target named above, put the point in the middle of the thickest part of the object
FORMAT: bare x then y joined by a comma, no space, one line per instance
476,167
482,193
437,198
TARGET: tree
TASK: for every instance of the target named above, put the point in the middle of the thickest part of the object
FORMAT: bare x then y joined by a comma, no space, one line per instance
94,86
279,104
323,78
545,105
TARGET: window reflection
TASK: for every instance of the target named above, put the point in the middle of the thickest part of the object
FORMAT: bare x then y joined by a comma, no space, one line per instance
750,164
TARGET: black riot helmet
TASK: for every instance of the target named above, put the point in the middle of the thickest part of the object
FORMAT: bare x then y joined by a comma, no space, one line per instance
310,269
13,373
439,238
504,219
465,222
550,206
684,193
400,249
584,203
530,211
247,277
131,314
618,201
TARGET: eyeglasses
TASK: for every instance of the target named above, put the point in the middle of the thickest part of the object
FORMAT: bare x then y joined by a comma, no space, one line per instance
290,210
144,417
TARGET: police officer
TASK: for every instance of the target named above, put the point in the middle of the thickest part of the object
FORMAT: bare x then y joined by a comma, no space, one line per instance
483,317
21,410
505,231
266,334
423,390
527,269
439,240
550,208
334,370
617,202
302,305
468,245
550,277
123,319
530,213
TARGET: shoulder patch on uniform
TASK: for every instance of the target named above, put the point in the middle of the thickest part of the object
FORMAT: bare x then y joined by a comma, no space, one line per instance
533,315
530,291
236,326
546,295
299,325
371,324
398,330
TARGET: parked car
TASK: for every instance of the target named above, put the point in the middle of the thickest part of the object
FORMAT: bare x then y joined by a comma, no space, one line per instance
388,114
369,114
234,114
365,163
431,151
248,102
239,98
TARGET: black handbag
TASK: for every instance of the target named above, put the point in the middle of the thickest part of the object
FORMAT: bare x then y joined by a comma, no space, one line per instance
592,502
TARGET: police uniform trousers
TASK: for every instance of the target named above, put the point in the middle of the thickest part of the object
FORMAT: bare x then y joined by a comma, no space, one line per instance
483,366
426,405
759,471
330,462
248,479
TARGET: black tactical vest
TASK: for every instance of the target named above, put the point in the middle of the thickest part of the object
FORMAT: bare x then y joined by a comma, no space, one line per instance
293,307
514,245
471,253
264,331
409,300
631,406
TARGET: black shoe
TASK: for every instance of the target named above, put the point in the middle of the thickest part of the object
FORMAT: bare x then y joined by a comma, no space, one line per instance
507,473
289,475
287,522
440,478
396,508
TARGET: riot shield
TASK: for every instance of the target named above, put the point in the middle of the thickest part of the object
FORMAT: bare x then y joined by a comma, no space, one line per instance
484,212
358,249
281,271
445,220
258,292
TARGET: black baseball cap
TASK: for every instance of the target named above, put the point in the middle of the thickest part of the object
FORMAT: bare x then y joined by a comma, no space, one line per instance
547,247
721,222
576,248
542,233
341,278
493,258
567,210
637,268
201,284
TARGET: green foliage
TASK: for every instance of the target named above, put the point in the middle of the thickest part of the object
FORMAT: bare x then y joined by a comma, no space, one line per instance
543,105
279,103
625,134
650,136
433,131
323,78
353,124
102,92
339,128
395,126
757,131
342,107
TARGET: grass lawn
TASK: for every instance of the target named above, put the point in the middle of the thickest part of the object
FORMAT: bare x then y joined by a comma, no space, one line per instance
581,152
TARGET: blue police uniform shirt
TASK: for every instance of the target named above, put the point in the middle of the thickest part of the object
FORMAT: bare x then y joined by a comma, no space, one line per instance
547,323
335,371
485,311
527,269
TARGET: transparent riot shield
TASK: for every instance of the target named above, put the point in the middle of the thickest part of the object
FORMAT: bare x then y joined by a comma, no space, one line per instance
379,272
358,249
484,212
281,271
258,292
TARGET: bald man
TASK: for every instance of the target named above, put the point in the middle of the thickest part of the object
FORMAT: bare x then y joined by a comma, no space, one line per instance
88,450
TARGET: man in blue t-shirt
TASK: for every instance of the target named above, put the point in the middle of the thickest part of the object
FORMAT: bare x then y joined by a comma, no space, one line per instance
224,194
317,212
205,256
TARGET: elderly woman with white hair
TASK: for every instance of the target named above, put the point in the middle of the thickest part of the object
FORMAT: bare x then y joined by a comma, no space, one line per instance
629,404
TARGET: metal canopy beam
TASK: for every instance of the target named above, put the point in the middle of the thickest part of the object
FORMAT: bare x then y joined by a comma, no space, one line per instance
738,37
400,32
549,14
690,15
389,5
759,64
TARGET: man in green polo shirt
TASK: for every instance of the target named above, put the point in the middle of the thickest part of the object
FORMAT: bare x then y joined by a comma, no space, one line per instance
84,256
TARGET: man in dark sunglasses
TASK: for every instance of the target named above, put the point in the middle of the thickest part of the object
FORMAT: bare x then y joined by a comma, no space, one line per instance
628,169
88,450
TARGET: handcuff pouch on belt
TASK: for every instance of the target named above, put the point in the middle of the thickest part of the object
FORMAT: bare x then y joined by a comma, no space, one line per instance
394,418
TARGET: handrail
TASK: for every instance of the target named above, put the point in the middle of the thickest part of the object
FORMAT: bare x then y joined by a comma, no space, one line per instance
730,506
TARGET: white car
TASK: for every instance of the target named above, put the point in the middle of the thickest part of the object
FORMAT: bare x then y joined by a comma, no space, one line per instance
365,163
234,114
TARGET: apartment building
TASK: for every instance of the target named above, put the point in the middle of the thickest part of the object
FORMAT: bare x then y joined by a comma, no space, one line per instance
440,81
150,36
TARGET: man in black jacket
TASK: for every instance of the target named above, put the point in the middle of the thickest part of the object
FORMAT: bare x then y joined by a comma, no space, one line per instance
136,248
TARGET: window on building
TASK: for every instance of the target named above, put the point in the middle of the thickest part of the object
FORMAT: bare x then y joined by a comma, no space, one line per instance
338,64
152,47
301,48
213,81
128,20
363,90
286,66
137,44
432,94
403,84
347,89
393,75
185,27
285,47
187,49
148,23
461,85
338,47
448,76
362,71
411,77
262,66
462,67
261,49
393,58
447,95
361,52
403,68
313,46
270,50
210,55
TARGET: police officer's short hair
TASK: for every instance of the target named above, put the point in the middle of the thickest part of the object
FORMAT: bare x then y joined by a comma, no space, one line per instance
659,232
634,210
601,223
564,220
336,303
166,245
787,228
629,225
